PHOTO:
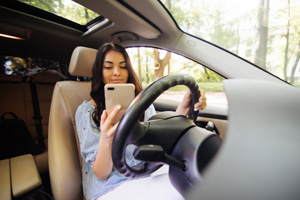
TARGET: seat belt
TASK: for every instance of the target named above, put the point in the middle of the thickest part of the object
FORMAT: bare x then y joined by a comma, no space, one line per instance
37,115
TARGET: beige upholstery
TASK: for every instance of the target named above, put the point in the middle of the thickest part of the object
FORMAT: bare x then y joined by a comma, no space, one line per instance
64,158
82,61
24,175
19,175
5,186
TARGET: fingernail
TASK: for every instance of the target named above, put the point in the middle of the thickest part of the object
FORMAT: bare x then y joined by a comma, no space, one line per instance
201,101
197,109
119,107
196,106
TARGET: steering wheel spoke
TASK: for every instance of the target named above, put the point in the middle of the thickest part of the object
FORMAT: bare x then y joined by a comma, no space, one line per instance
137,131
155,153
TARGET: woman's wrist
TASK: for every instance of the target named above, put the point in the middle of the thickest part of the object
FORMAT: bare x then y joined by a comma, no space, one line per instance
183,111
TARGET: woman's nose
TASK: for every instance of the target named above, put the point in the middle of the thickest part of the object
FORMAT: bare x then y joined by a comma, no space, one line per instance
116,71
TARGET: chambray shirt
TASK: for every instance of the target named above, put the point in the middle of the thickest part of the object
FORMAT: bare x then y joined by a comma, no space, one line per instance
89,135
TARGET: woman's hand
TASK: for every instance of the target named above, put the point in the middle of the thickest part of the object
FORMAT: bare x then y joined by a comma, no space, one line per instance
201,104
106,124
103,163
184,107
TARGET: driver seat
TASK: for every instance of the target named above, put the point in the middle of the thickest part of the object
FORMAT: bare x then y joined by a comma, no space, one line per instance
65,161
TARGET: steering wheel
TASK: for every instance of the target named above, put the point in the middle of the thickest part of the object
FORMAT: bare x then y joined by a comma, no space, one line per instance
131,131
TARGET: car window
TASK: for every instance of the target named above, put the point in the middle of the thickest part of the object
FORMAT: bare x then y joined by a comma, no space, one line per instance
65,12
264,32
16,65
64,8
151,64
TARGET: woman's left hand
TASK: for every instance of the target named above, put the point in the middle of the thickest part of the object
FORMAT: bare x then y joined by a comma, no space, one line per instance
184,106
201,104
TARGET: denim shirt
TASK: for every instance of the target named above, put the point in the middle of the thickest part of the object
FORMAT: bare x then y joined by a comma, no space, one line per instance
89,136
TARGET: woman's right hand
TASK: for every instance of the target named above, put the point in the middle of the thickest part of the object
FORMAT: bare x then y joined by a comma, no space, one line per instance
103,163
106,124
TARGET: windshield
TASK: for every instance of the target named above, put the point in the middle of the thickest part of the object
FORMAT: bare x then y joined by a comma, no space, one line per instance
264,32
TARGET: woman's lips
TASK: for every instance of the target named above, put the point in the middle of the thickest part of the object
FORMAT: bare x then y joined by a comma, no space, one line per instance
117,81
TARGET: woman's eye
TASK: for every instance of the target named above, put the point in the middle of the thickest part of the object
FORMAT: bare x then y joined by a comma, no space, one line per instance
123,66
107,67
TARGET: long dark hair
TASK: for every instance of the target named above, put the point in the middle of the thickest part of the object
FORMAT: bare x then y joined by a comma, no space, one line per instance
97,91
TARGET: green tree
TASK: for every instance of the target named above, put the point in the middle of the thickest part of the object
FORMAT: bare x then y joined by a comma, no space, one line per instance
139,64
262,34
295,63
160,64
294,49
287,36
67,9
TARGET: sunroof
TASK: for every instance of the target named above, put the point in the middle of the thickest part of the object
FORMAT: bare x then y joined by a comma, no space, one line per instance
67,9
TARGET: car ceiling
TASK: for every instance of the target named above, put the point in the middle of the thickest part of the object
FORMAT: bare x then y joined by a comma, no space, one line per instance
134,23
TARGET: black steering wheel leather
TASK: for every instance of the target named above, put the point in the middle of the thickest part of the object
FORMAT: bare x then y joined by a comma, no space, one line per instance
131,131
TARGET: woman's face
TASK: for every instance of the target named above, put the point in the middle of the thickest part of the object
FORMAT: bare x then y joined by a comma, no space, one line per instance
114,68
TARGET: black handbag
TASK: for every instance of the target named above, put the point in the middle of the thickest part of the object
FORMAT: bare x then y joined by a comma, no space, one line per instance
15,138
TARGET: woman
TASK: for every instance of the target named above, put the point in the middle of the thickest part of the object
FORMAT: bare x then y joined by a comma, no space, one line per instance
112,65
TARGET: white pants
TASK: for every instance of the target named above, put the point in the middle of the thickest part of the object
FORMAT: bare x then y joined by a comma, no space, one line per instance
155,187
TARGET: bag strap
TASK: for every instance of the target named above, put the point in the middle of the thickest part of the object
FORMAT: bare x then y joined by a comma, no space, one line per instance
11,113
37,115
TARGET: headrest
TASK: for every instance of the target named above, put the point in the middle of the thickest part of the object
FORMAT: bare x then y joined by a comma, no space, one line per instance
82,61
49,77
11,78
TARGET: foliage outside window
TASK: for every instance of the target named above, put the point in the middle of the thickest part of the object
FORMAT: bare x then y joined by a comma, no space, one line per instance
64,8
151,64
265,32
11,65
147,63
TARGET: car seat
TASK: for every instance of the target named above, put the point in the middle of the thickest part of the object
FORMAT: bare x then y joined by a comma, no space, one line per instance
65,161
17,98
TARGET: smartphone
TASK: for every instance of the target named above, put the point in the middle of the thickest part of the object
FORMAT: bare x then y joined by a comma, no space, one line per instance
118,94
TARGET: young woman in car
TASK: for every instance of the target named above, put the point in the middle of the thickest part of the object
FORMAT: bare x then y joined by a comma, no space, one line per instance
94,126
